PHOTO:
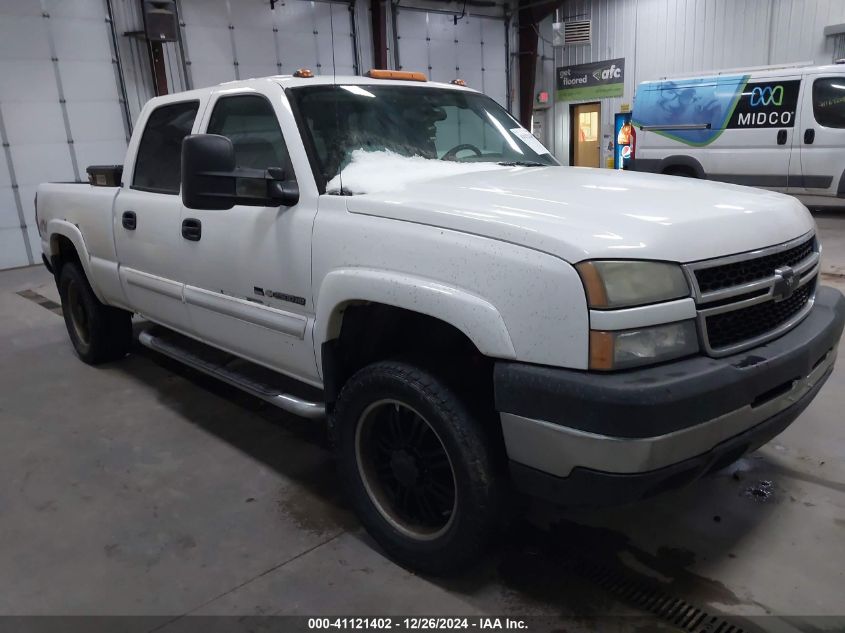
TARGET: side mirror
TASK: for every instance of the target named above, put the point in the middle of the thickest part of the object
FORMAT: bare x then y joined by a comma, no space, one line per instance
211,179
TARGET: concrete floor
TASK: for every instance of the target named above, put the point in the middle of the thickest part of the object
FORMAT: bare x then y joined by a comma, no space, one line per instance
144,488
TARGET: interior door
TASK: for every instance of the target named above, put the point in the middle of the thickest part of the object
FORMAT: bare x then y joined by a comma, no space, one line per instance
247,270
822,135
147,217
586,135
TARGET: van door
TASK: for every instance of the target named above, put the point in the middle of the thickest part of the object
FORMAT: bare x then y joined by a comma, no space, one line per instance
147,216
822,137
247,270
756,147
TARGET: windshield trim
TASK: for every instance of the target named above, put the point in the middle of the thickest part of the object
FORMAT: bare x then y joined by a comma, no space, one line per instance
307,141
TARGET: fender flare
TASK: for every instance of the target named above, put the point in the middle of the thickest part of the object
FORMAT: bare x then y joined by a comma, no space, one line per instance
682,160
477,318
72,232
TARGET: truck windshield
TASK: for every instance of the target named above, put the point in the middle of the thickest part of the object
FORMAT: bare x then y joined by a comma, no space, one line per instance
365,134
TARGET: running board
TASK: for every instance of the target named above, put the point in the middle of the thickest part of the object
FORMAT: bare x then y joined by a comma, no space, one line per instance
253,379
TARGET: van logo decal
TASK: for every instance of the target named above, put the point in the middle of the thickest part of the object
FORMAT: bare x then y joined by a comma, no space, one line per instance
710,105
767,105
766,96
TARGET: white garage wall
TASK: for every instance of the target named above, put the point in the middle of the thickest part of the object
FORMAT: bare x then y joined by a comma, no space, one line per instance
227,40
664,37
474,49
260,42
61,105
59,108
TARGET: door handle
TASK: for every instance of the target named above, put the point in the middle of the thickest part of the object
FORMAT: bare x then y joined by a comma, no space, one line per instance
781,137
809,136
129,220
192,229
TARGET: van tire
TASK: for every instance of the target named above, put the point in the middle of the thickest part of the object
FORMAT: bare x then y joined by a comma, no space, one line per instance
394,468
683,172
99,333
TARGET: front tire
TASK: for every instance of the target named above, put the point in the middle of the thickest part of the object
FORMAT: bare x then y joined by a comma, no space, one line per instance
99,333
419,468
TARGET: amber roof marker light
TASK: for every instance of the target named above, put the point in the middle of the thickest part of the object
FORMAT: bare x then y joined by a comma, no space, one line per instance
402,75
458,82
304,73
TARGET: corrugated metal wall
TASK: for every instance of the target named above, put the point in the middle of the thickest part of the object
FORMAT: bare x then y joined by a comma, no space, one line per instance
664,37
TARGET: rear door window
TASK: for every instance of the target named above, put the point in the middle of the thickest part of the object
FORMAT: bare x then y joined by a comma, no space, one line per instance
829,101
159,161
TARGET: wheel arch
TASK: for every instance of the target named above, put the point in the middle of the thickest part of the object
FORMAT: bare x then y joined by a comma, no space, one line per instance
67,245
372,298
684,162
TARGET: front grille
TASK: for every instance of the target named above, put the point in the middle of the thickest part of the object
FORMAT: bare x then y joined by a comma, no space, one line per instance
735,295
746,271
729,328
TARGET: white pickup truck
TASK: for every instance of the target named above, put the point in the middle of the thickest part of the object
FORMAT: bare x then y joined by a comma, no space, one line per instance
401,257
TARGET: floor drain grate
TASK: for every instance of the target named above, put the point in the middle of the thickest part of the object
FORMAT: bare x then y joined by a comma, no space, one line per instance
649,596
43,301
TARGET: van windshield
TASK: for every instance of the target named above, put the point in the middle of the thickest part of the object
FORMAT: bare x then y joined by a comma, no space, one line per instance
366,135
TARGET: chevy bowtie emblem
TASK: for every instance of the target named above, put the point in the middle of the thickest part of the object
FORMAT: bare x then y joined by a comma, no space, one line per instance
786,282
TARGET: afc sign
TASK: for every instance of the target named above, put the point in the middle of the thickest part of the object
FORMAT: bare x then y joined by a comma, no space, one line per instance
594,80
606,74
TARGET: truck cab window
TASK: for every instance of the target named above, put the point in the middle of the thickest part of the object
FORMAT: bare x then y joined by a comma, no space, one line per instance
251,124
158,165
829,101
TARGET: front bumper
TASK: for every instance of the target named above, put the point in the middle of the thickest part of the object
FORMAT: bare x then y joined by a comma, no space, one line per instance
582,438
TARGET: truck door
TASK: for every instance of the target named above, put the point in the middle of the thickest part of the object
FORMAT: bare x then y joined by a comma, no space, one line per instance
822,138
147,217
247,270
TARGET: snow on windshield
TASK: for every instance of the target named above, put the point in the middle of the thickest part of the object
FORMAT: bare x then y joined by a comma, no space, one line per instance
375,172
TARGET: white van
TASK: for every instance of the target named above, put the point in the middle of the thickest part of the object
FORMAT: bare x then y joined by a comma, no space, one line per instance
780,128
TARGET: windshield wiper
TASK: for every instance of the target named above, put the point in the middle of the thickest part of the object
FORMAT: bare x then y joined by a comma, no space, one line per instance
521,163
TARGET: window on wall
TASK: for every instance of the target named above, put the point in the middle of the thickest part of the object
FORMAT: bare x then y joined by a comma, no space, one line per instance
588,125
829,101
159,162
251,124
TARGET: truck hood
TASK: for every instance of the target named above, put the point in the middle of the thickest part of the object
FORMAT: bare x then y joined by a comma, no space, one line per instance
579,213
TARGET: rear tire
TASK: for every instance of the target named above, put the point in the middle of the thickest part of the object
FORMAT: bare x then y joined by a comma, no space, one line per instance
99,333
418,467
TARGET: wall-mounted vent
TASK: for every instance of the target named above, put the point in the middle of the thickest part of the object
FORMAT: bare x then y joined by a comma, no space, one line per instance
572,33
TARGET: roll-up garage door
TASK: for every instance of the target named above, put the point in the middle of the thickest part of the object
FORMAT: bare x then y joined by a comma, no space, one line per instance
474,49
239,39
59,108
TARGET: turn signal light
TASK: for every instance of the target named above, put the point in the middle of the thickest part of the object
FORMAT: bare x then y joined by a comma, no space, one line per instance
303,73
396,74
601,350
593,284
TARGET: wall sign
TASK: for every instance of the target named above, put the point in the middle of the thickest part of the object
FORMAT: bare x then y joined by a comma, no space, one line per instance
596,80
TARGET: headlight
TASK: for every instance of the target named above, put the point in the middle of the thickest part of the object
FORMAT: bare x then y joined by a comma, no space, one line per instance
624,283
628,348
